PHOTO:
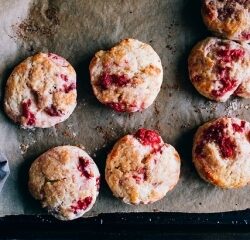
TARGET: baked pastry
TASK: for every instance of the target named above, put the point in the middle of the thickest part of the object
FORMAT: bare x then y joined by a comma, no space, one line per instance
41,91
228,18
66,181
244,89
218,67
128,77
141,168
221,152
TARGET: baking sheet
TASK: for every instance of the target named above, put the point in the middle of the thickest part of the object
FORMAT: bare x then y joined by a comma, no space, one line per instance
76,29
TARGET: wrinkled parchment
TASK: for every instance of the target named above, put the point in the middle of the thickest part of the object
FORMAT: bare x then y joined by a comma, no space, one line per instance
76,29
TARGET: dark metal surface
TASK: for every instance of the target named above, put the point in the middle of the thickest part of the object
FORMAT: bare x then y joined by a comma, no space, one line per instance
229,225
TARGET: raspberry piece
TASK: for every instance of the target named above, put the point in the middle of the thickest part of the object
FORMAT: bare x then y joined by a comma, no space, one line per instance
215,133
246,35
122,106
98,183
69,88
227,83
230,55
118,107
53,111
239,128
57,59
149,137
64,77
106,80
83,164
121,80
140,176
227,147
31,119
81,204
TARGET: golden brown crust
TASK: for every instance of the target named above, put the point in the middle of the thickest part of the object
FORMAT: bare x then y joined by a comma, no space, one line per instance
228,18
62,182
218,67
140,175
121,77
221,152
41,91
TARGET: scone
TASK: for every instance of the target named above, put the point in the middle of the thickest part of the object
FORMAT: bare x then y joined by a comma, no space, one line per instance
228,18
66,181
41,91
141,168
244,89
128,77
221,152
218,67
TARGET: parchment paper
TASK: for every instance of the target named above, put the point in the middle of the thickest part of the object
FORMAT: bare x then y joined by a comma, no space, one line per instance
76,29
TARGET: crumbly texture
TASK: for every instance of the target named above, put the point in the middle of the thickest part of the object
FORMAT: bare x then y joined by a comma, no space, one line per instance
221,152
128,77
218,67
244,89
41,91
141,168
228,18
66,181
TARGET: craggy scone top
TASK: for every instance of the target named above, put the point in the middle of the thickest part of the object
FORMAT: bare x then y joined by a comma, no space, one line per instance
220,68
221,152
128,77
141,168
228,18
66,181
41,91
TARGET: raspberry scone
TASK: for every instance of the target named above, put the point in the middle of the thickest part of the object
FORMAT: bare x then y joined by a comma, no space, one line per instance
141,168
244,89
66,181
228,18
221,152
128,77
218,67
41,91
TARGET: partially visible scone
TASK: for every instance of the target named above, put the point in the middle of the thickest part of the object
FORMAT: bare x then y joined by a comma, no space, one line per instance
41,91
221,152
66,181
128,77
228,18
244,89
218,67
141,168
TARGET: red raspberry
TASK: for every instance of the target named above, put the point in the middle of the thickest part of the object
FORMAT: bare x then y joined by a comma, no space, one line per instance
69,88
140,175
53,111
227,83
107,80
64,77
215,133
149,137
98,183
239,128
31,119
81,204
83,164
